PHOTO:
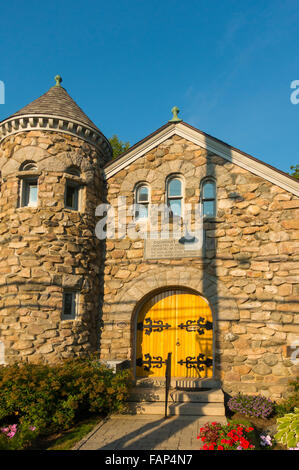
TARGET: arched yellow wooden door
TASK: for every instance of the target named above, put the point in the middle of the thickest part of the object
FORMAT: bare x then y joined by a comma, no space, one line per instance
179,322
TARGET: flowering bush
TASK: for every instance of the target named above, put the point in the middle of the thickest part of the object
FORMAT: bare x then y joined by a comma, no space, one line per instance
256,406
16,437
52,397
209,433
266,440
232,436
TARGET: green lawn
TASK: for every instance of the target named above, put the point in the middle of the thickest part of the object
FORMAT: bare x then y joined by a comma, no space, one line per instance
67,439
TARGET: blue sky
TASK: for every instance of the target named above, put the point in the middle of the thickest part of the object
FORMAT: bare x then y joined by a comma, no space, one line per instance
228,65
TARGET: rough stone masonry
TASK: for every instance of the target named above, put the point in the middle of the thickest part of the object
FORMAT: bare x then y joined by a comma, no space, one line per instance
248,272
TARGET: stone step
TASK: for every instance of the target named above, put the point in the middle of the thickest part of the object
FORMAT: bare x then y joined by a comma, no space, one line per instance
158,395
179,382
174,409
207,396
191,383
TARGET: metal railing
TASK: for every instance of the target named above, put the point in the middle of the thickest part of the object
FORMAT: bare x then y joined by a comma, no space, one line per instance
167,381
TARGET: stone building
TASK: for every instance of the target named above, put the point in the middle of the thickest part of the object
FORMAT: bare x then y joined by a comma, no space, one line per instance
220,293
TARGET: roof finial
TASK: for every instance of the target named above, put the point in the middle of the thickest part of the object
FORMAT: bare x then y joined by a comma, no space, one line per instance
58,80
175,110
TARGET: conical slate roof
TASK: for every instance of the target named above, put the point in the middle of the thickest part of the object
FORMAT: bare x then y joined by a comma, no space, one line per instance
56,111
56,102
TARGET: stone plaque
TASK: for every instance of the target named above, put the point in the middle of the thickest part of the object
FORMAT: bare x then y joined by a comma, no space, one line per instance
171,248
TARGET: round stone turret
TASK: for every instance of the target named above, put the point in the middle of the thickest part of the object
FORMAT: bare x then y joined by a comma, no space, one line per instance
51,156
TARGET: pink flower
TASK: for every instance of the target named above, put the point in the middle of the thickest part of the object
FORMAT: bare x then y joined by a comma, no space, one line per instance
10,431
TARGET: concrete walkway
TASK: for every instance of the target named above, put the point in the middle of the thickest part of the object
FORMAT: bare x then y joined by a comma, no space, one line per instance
146,432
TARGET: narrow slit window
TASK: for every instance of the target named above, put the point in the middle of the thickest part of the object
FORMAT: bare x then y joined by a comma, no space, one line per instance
69,305
141,202
72,196
208,198
175,196
29,192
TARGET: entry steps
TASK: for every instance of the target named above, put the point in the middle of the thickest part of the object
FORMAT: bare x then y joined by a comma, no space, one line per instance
181,401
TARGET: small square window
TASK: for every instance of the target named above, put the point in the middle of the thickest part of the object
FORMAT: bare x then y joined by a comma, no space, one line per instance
29,192
69,309
72,196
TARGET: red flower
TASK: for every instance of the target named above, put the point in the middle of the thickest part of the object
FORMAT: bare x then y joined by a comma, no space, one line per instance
220,448
203,438
244,443
211,447
205,447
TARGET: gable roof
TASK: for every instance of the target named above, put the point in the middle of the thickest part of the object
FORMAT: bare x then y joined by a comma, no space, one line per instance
218,147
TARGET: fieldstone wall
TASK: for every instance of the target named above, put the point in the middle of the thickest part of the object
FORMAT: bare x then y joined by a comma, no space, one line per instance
249,272
48,248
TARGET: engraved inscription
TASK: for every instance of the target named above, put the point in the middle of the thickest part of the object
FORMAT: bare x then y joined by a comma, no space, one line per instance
171,248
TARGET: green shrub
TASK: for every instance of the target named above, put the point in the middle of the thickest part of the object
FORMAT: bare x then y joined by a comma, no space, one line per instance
291,402
52,397
288,429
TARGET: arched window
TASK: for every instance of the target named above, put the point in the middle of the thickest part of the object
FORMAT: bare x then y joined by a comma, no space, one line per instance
28,166
73,170
142,199
208,198
29,185
175,196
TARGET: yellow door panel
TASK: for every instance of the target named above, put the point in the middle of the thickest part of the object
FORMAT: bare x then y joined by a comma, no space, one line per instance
178,322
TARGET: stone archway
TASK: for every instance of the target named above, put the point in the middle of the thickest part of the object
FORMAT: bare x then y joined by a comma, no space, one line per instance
176,321
131,294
